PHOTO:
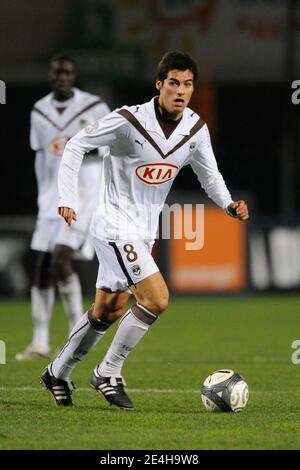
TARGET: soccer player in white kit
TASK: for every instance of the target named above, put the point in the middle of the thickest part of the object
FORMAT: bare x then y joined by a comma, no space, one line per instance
148,143
54,120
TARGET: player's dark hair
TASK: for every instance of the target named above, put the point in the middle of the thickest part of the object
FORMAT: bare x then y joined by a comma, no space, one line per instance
62,58
176,60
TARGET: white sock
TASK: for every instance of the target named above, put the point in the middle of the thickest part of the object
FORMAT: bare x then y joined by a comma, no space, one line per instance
42,301
84,336
131,330
71,296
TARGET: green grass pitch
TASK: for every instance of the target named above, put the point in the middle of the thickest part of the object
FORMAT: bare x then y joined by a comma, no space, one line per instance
252,335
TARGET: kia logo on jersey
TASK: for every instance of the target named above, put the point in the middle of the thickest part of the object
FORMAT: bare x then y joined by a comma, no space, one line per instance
156,173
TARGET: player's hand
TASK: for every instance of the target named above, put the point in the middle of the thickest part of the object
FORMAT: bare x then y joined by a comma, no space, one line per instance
68,214
240,208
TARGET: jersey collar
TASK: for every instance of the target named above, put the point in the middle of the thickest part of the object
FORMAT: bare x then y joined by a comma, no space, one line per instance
151,123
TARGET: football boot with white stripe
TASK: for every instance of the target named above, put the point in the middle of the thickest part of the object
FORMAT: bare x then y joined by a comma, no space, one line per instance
60,389
112,388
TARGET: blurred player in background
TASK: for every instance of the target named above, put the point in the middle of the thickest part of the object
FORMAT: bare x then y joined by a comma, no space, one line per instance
149,144
54,120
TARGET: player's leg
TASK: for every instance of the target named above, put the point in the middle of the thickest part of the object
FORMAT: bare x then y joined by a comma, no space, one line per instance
151,294
89,330
42,292
84,336
69,240
68,283
42,299
107,377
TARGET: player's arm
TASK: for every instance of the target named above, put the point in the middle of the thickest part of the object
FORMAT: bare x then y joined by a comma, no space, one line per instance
205,166
100,134
39,159
101,110
39,168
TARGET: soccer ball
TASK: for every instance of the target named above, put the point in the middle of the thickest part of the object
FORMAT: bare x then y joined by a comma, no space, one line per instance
225,390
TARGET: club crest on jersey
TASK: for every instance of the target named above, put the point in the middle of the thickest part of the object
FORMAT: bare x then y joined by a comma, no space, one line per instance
57,145
156,173
192,146
136,270
92,128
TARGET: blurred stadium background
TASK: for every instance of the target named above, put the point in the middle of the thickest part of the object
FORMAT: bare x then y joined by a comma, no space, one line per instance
247,53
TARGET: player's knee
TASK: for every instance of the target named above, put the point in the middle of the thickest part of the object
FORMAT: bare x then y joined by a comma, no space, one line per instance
61,264
157,306
115,315
42,277
161,305
164,303
108,312
58,266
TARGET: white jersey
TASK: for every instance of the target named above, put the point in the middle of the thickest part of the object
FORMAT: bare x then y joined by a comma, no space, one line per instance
50,130
140,169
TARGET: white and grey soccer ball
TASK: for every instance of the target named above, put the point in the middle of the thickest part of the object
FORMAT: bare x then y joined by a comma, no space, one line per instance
225,390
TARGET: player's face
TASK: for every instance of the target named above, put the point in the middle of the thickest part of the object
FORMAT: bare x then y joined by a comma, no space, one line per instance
175,92
62,77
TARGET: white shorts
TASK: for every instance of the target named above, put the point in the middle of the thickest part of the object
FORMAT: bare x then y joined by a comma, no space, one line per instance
49,233
122,264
